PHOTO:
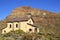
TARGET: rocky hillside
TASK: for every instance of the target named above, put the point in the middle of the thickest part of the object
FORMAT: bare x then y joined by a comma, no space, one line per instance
22,11
49,21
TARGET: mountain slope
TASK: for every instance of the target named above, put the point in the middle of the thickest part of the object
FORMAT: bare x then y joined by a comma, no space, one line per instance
49,21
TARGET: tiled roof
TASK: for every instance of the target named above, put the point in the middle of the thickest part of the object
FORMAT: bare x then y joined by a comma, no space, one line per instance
18,19
32,25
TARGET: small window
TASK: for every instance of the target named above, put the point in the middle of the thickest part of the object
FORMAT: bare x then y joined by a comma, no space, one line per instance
35,29
4,31
30,29
10,25
29,21
16,25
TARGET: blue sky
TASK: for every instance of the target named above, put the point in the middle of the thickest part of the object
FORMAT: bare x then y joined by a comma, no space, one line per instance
6,6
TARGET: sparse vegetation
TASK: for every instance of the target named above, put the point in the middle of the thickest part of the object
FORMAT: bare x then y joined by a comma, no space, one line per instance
20,32
49,23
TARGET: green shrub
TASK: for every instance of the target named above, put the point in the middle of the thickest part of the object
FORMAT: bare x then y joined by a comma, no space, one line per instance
20,32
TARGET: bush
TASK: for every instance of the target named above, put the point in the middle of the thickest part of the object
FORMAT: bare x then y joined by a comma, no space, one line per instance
20,32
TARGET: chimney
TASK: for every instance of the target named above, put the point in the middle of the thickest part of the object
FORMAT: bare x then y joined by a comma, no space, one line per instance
29,15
